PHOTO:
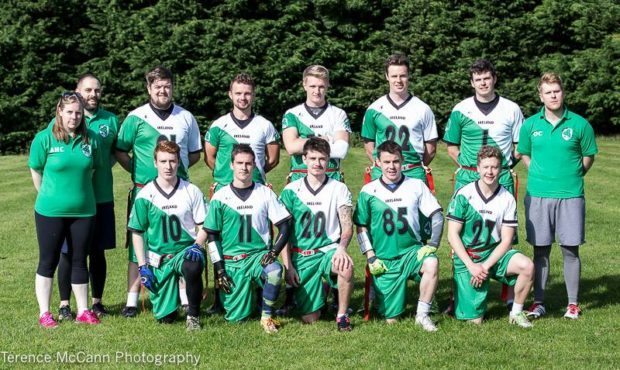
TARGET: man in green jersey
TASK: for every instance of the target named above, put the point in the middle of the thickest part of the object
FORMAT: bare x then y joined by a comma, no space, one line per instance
169,211
159,119
104,125
558,148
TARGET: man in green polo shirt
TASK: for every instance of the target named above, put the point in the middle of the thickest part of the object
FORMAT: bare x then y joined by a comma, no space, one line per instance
558,148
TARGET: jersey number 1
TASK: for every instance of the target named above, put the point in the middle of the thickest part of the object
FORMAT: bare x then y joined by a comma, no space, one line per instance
170,228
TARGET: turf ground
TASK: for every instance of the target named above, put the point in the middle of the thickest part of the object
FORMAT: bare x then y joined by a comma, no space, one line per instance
118,342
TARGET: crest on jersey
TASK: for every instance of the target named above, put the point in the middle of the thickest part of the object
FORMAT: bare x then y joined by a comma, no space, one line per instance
427,227
567,133
104,131
87,150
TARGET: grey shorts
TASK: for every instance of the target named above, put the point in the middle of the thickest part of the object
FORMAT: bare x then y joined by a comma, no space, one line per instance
551,218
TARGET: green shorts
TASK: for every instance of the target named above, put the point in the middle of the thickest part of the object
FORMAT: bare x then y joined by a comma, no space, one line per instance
310,296
165,295
131,254
471,303
336,175
246,276
464,177
390,287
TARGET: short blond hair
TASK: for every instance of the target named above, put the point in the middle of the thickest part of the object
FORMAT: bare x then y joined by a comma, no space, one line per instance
317,71
550,78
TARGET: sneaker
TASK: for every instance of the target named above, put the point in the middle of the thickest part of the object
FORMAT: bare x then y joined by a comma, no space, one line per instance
426,323
536,310
572,312
87,317
269,325
99,309
65,314
47,321
520,319
344,323
129,311
169,319
192,323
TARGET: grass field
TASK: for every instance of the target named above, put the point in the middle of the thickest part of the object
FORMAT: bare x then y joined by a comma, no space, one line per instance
553,342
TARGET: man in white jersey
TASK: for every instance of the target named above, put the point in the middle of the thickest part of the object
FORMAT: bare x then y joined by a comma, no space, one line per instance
168,210
241,126
315,117
159,119
240,246
401,117
388,232
482,221
322,229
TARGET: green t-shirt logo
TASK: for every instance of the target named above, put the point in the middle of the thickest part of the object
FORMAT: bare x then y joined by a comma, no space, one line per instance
567,133
87,150
104,131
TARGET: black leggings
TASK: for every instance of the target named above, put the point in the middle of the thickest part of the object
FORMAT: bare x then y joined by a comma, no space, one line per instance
192,273
52,232
97,268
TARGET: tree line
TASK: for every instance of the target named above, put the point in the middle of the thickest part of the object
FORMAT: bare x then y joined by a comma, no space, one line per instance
45,45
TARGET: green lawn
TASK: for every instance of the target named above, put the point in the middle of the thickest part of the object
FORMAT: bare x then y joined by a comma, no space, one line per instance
553,342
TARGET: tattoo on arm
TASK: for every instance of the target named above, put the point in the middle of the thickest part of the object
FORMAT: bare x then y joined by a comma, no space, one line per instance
346,225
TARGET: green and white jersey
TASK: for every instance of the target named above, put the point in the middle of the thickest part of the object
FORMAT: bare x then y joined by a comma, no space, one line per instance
482,218
392,215
169,220
471,129
556,152
315,212
243,222
67,174
409,124
307,124
227,131
143,129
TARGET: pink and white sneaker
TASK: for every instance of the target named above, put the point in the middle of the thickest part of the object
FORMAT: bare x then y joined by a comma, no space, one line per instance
87,317
572,312
47,321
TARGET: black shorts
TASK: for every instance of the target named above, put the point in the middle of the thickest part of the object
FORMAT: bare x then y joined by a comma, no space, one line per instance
105,228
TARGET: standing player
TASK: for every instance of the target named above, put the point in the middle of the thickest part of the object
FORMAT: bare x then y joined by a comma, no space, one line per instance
241,126
482,220
169,210
483,119
240,245
159,119
104,125
388,232
315,117
558,148
322,229
402,118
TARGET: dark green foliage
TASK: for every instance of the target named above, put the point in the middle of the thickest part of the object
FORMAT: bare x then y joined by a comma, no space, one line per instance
45,45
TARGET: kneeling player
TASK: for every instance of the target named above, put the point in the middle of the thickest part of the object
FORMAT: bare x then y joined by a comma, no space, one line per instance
239,235
168,210
482,222
321,209
388,231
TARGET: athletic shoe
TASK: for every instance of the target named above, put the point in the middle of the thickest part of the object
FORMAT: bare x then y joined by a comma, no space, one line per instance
47,321
520,319
192,323
426,323
536,310
572,312
269,325
65,314
129,311
99,309
169,318
87,317
344,323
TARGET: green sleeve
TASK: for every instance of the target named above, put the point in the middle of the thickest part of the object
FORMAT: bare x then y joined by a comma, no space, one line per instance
369,129
138,220
214,216
127,134
457,209
361,216
38,152
525,141
213,136
453,128
588,142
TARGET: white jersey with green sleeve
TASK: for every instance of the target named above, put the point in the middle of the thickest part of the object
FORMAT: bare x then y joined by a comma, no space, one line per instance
315,212
409,124
391,214
482,218
470,128
169,220
307,124
243,222
143,129
227,131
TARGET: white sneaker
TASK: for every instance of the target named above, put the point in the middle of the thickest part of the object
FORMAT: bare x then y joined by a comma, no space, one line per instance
536,310
426,323
520,319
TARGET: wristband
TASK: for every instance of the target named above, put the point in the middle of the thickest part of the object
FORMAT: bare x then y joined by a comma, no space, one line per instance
213,252
364,242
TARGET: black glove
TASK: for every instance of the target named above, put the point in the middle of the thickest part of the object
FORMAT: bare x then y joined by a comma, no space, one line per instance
224,281
269,258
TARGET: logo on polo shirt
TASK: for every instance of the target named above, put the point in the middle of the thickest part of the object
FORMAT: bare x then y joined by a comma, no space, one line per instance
104,131
537,133
87,150
567,133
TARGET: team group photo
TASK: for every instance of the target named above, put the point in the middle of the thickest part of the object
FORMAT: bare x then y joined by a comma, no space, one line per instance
403,234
